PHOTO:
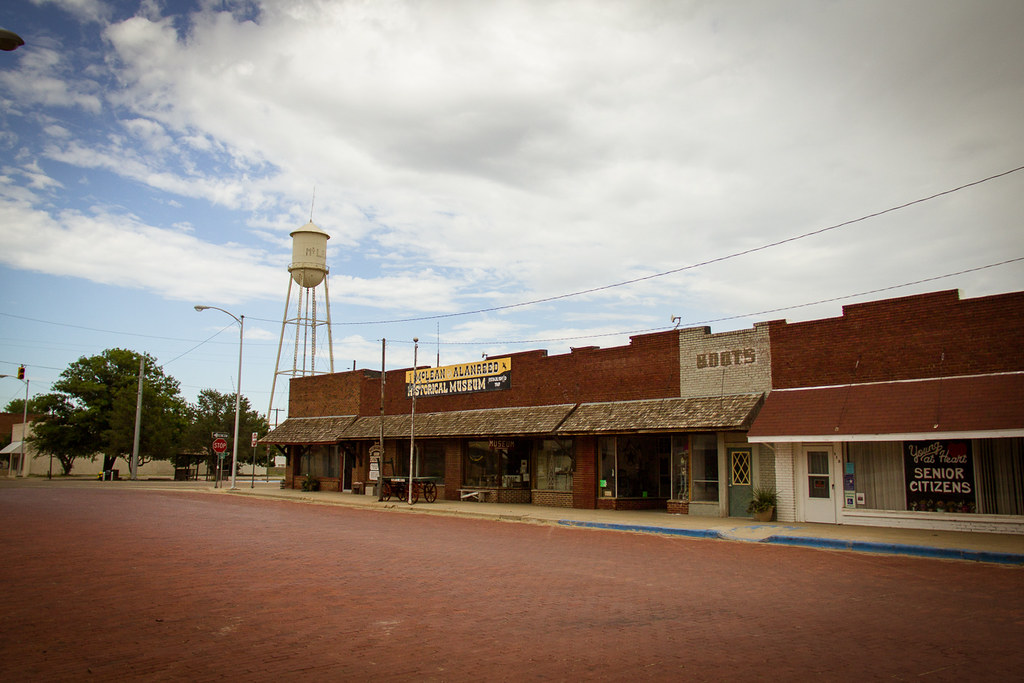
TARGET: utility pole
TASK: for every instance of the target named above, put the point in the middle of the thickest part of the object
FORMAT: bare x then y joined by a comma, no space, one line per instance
380,457
412,416
138,422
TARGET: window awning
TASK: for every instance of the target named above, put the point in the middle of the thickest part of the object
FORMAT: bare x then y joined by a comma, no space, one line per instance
309,430
13,447
718,413
654,415
980,406
520,421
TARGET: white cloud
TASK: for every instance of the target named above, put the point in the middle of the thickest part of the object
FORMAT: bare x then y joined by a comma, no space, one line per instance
85,10
476,154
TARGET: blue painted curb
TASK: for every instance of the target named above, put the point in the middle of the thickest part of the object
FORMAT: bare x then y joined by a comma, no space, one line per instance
814,542
899,549
692,533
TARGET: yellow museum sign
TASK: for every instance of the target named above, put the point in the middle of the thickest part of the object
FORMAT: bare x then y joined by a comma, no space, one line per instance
493,374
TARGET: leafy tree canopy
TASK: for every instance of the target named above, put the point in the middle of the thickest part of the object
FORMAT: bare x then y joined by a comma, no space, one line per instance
36,405
215,412
92,410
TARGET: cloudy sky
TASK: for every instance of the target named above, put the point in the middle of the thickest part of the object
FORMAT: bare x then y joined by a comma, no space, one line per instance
494,176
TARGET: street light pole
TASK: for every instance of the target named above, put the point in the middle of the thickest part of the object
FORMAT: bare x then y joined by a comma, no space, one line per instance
238,393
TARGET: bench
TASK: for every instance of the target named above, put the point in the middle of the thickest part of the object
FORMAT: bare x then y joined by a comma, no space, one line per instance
479,495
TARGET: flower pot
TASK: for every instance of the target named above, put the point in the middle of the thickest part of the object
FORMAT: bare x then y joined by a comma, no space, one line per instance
764,515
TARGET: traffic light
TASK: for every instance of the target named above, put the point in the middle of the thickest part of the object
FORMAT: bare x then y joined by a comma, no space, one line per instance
21,372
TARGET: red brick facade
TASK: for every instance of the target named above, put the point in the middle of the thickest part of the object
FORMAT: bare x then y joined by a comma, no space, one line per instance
914,337
647,368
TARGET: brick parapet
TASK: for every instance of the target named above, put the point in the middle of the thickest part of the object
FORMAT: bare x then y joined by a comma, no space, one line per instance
914,337
646,368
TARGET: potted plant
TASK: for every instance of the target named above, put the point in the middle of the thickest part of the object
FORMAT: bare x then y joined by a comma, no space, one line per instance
310,483
762,504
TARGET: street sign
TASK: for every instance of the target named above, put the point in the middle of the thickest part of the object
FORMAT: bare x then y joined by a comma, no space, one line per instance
220,445
254,437
220,435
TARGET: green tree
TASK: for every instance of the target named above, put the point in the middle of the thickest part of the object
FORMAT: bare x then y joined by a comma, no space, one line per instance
36,405
57,431
96,413
215,412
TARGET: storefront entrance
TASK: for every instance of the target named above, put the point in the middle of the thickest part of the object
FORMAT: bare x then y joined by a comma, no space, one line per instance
819,489
740,485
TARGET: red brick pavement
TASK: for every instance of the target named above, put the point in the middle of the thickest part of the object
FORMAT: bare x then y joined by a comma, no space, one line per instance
118,584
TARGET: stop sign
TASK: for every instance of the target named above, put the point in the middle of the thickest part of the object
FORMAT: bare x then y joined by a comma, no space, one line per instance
220,445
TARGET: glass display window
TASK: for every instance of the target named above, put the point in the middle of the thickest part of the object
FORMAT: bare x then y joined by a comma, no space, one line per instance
554,465
497,463
704,467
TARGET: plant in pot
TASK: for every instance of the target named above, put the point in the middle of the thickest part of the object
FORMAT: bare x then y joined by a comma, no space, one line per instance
763,502
310,483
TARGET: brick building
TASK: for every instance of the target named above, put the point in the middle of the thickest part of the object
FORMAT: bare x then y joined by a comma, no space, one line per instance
655,424
903,412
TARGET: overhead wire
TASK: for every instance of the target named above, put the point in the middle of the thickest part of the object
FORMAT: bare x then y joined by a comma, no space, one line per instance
691,266
592,290
726,318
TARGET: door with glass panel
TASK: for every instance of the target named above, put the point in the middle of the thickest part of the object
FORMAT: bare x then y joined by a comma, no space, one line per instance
819,487
740,488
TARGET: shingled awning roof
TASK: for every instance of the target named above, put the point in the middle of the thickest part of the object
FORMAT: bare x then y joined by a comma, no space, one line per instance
309,430
518,421
663,415
655,415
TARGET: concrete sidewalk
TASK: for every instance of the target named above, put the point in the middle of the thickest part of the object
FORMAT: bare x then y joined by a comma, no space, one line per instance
959,545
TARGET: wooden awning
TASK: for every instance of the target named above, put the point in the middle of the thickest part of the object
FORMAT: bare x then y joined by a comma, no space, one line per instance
719,413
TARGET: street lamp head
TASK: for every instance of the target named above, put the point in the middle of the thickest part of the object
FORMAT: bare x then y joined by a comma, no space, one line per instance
201,308
9,40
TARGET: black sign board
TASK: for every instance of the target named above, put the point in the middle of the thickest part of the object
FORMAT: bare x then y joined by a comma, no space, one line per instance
939,475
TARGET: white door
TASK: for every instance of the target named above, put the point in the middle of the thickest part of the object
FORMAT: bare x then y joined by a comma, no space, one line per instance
819,484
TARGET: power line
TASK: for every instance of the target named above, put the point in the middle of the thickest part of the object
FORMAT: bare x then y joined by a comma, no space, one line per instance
692,266
732,317
623,283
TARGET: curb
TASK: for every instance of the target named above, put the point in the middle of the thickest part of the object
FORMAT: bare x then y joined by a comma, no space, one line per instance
691,533
899,549
821,543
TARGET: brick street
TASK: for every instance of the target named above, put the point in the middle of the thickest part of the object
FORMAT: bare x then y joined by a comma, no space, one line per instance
121,584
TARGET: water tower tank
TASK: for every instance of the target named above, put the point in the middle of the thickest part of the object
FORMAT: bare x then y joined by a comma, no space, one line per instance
309,255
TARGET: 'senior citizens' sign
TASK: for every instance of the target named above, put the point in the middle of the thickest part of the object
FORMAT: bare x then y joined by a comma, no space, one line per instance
939,475
493,374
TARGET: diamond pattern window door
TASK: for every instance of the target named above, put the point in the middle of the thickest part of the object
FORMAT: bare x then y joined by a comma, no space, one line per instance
741,468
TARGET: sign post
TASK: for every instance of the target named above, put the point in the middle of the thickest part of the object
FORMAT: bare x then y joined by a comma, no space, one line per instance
219,446
255,436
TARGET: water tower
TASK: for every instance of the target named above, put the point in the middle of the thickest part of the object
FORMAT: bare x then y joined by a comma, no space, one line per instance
308,270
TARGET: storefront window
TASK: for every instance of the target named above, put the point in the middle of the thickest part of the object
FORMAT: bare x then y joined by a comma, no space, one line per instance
554,466
635,466
955,475
498,463
321,461
429,460
877,469
704,467
606,466
681,467
1001,476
